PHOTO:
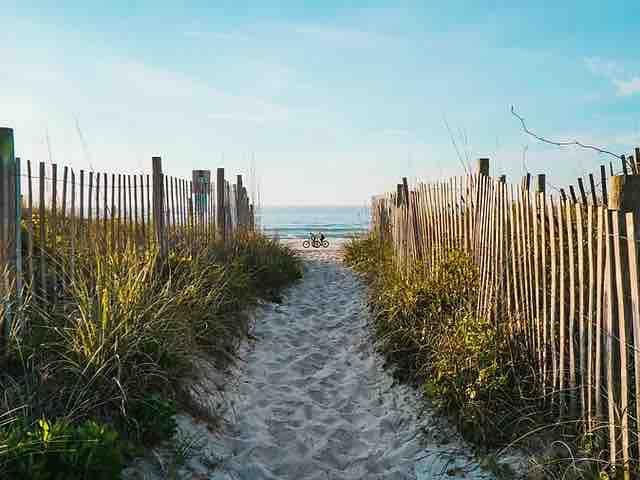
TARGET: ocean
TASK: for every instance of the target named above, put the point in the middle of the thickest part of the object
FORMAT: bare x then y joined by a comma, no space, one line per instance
297,222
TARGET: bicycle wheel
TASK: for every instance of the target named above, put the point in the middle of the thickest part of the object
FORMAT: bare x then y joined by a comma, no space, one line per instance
316,244
325,243
306,244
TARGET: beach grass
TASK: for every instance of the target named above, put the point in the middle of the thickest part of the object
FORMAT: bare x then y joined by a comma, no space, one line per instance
426,326
473,371
90,379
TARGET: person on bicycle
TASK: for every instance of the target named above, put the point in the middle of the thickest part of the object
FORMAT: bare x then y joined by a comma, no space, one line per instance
321,237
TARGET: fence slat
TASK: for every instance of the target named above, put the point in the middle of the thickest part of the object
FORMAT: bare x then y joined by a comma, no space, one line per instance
113,211
97,225
546,332
149,214
105,208
553,294
54,200
43,235
135,209
173,207
634,283
73,220
120,222
536,281
609,290
572,305
90,200
65,175
599,323
142,218
591,264
31,239
621,381
562,332
582,342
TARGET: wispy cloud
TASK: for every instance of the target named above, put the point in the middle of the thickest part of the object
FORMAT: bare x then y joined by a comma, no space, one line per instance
603,67
239,117
345,37
624,83
175,90
628,87
396,132
198,33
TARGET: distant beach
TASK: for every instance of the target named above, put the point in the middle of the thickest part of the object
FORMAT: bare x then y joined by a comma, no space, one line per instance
296,222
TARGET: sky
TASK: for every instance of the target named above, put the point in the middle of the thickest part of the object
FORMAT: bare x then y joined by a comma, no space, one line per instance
332,102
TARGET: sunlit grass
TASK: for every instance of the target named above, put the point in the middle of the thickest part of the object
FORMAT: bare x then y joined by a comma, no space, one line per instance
115,334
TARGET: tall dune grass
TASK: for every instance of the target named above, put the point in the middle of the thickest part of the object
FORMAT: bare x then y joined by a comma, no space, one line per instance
103,362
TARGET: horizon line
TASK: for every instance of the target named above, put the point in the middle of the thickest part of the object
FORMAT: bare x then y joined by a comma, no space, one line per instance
312,205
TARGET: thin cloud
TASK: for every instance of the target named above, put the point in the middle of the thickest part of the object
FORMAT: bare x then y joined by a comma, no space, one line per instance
625,84
176,90
628,87
345,37
396,132
604,68
197,33
238,117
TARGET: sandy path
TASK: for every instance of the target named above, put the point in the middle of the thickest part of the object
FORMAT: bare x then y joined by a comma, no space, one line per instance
312,400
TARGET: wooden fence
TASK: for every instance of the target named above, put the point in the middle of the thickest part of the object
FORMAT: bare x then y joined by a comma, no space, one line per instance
48,207
558,272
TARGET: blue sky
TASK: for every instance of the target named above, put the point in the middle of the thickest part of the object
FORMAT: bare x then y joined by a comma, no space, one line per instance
335,100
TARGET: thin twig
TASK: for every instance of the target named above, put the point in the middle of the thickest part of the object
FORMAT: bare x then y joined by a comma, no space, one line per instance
455,145
561,144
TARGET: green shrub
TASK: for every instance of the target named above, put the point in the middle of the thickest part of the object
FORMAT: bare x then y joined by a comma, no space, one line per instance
60,451
154,419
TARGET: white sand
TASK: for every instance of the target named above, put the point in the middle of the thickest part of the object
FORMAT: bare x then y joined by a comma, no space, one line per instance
310,400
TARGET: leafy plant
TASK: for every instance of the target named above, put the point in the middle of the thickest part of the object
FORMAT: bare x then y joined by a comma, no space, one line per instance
57,450
154,418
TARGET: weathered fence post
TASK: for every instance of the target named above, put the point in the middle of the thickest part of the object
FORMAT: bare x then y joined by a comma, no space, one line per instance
18,229
483,166
158,203
624,193
399,195
9,220
624,197
201,180
411,206
239,202
541,183
220,204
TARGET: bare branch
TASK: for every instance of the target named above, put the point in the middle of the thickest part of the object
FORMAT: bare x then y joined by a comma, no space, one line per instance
561,144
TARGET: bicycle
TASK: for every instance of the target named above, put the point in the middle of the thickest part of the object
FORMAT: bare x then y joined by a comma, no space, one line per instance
315,242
